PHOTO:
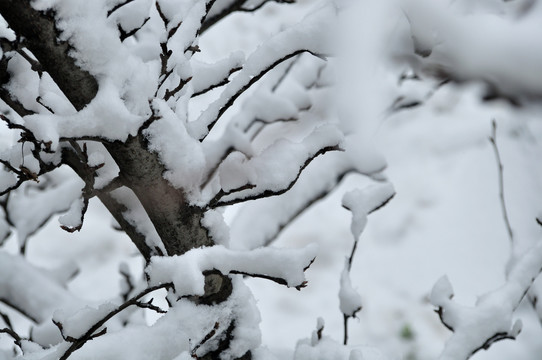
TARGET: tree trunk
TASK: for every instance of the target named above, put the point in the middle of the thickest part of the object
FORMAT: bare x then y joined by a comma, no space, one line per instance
175,220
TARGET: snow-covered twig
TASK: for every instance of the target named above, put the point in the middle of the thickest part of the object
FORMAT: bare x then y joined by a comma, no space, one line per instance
92,331
186,272
361,203
229,101
490,320
16,337
217,202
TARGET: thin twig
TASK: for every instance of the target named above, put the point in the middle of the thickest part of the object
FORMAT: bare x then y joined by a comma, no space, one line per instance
268,193
493,141
222,82
252,81
91,333
16,338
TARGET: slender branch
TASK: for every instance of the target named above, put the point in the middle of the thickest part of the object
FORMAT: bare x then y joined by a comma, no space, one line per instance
345,329
269,193
73,160
263,124
280,281
492,340
129,284
78,343
223,193
149,305
285,73
251,82
493,141
214,169
212,20
180,86
218,84
126,34
16,338
308,204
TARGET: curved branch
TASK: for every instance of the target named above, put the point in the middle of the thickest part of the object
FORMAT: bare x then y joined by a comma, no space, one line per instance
231,100
268,193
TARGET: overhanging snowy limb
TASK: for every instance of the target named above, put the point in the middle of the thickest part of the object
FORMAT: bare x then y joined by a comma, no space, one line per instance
468,42
284,266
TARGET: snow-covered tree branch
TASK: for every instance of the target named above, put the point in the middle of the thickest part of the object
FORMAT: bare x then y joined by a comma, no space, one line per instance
203,150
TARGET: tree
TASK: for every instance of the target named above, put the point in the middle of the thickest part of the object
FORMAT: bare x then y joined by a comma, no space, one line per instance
104,88
104,98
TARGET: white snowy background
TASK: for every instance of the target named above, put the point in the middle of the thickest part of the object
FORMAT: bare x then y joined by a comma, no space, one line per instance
445,218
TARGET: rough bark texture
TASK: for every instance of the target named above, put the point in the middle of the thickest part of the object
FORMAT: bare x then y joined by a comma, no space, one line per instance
177,223
40,36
